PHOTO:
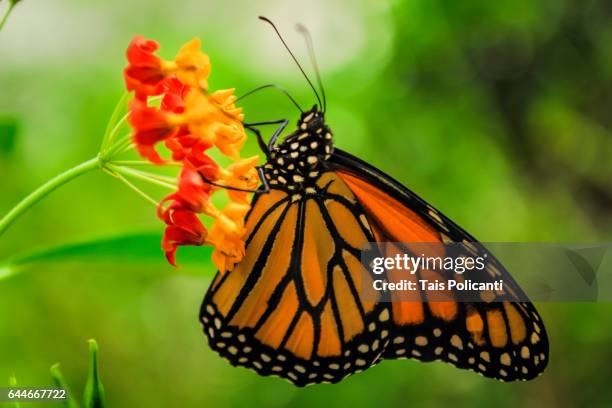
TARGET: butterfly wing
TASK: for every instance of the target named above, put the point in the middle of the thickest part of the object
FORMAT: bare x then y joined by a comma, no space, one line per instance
505,339
291,307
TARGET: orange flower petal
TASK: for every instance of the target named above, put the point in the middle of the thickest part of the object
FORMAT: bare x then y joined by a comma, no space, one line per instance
193,66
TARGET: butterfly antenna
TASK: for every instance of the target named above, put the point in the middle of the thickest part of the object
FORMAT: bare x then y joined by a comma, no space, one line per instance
309,44
273,86
293,57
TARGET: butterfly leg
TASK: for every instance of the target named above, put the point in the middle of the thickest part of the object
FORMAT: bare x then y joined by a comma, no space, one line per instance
262,177
260,141
277,133
262,144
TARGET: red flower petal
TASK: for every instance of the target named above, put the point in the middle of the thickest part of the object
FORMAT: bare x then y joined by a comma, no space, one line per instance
203,163
174,97
184,228
150,127
193,193
141,51
181,143
144,71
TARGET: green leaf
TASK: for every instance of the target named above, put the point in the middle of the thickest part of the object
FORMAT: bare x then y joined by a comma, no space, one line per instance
93,396
60,382
137,248
8,134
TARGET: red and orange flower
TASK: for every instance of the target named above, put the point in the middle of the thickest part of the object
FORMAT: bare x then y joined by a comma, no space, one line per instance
189,121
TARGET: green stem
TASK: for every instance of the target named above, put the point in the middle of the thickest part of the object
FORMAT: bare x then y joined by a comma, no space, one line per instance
45,189
132,186
120,123
13,384
140,175
114,123
136,163
127,147
7,13
118,147
160,177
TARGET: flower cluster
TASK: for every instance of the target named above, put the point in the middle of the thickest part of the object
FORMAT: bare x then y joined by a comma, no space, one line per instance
189,121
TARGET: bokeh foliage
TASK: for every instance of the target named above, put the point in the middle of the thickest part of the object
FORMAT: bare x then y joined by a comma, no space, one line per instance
498,113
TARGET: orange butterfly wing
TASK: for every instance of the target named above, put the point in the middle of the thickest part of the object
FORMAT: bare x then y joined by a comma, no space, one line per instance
499,339
291,307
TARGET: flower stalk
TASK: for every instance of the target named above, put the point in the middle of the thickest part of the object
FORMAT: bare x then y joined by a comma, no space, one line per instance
141,175
109,149
114,124
132,186
44,190
7,12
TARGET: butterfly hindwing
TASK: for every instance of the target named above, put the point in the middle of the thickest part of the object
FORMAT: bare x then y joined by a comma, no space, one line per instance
498,338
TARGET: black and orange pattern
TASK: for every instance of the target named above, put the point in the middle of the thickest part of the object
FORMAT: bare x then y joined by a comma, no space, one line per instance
497,338
292,307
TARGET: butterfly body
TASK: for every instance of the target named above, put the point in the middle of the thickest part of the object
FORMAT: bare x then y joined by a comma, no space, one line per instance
298,161
293,307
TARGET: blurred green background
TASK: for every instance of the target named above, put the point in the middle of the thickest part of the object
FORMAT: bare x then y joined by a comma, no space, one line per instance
497,113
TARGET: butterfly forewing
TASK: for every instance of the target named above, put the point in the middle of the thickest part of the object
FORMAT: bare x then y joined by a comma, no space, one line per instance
292,306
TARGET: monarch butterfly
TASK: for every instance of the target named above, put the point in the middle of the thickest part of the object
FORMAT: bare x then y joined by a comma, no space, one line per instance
291,307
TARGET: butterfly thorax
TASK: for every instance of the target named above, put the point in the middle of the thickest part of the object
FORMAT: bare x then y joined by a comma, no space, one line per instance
296,162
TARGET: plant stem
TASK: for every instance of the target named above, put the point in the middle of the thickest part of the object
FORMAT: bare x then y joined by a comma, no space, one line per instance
7,13
132,186
135,163
160,177
120,123
117,147
127,147
140,175
114,123
45,189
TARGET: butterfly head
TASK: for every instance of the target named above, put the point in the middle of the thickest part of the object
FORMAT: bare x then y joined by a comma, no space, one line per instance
312,136
312,120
